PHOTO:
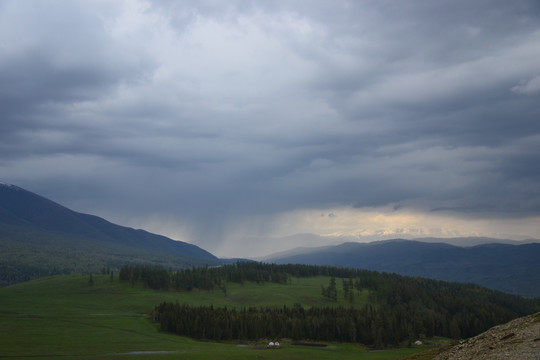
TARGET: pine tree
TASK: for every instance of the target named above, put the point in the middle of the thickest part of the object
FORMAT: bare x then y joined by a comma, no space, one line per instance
346,288
332,289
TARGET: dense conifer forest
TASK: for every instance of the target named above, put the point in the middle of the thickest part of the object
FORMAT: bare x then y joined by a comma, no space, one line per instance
400,308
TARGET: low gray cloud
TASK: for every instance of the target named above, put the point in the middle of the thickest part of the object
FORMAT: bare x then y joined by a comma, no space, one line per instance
208,112
528,87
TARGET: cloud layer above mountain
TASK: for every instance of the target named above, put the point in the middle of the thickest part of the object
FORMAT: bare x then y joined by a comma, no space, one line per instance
221,122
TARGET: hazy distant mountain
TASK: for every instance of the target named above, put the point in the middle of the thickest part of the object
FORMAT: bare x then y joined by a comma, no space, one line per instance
510,268
39,236
312,242
474,241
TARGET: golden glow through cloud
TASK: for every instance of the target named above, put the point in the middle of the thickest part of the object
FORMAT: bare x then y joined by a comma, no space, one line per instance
260,235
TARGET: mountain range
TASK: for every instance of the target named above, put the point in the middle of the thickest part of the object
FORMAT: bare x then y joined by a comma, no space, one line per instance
39,237
509,268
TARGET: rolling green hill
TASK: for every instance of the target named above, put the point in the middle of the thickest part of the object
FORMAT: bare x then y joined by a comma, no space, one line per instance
64,317
102,317
398,308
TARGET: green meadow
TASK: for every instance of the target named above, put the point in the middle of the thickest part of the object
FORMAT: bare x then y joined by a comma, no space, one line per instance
66,317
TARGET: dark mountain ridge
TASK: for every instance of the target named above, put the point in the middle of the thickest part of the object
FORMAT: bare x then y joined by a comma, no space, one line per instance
23,208
509,268
40,237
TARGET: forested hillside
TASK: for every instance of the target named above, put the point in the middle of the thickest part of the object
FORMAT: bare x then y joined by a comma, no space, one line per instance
512,268
399,308
39,237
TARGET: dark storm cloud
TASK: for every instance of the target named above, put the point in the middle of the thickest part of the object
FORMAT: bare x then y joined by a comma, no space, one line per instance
55,54
213,111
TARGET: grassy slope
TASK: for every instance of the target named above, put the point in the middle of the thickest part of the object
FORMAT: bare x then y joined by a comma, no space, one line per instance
64,317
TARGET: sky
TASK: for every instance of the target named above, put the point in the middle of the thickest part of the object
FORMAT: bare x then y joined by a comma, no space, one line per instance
235,125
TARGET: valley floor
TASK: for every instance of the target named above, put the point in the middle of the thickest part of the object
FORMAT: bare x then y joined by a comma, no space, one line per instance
66,317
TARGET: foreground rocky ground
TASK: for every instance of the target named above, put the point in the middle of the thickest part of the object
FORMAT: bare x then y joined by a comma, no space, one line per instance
518,339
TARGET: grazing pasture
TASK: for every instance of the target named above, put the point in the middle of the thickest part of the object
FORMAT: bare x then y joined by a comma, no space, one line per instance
67,317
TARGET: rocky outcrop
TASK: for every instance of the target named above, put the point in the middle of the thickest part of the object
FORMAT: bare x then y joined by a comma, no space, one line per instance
518,339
